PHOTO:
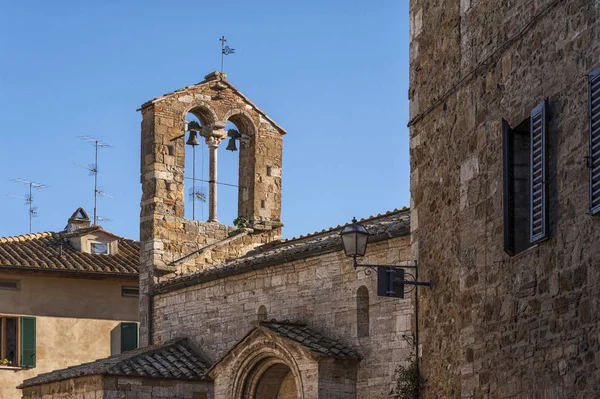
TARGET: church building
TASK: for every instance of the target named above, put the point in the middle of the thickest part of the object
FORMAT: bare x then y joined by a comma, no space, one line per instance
238,312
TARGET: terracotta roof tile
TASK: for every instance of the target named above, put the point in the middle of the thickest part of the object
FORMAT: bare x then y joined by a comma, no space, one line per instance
53,252
391,224
311,339
171,360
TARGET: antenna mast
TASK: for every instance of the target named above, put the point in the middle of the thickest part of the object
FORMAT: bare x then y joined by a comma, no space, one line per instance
94,171
28,198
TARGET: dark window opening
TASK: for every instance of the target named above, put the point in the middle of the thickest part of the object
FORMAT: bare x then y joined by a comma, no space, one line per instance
11,285
269,171
130,291
8,341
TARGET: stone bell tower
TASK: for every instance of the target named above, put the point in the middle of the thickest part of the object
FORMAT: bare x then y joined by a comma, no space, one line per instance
172,245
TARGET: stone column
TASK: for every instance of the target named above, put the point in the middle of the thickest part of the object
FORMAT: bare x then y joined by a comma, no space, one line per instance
213,136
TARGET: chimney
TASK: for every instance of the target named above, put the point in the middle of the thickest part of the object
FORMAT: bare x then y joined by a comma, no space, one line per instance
78,220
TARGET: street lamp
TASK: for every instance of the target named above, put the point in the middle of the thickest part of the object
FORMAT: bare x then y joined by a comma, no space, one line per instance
354,239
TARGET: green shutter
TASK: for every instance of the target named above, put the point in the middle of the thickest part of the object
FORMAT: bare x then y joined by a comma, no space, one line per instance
27,341
129,336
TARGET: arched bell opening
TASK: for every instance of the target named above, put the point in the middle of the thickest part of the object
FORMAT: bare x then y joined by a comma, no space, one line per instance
195,181
236,163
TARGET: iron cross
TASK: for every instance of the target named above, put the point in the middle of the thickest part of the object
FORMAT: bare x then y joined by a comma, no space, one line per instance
222,40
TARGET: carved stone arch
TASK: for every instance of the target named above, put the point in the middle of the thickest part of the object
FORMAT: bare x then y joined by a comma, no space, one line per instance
254,361
242,119
203,111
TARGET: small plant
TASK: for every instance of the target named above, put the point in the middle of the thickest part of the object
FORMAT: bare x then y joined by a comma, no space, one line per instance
5,362
409,382
241,222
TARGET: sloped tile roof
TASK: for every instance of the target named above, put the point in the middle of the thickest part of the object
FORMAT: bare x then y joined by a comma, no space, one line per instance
383,226
52,251
171,360
311,339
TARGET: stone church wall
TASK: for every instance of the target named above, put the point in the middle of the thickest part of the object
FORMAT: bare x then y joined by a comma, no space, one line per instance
112,387
320,291
498,326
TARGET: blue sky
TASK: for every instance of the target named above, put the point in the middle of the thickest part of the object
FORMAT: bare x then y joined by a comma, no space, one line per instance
333,73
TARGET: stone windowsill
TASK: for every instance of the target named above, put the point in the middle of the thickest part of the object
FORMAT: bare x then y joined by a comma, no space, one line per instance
4,367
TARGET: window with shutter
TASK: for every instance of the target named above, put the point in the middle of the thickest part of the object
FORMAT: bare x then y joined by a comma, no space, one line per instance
594,155
537,183
28,350
524,164
129,336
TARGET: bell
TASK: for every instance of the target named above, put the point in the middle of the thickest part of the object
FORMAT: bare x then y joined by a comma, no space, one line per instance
231,146
193,140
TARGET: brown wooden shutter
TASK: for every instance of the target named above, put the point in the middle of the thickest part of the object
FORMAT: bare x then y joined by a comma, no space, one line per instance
538,186
594,161
509,197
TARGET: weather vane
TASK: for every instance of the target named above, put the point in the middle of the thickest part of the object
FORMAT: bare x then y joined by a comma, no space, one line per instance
225,50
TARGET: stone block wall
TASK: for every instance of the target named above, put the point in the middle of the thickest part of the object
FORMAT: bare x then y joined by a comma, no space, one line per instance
320,291
91,387
498,326
113,387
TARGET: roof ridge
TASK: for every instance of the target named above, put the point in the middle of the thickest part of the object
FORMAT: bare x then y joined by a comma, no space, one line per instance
27,237
339,226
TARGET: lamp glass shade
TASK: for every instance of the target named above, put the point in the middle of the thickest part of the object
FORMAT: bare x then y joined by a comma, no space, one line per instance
354,239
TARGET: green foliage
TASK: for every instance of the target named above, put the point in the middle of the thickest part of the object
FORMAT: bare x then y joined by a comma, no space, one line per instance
409,382
241,222
5,362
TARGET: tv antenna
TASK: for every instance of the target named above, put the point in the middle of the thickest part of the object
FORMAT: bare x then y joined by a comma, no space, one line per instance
93,169
102,219
28,198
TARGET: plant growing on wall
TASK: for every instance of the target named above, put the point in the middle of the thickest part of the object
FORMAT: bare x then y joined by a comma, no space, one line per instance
409,382
241,222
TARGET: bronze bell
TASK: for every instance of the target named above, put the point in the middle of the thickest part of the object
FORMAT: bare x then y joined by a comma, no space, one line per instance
231,145
193,140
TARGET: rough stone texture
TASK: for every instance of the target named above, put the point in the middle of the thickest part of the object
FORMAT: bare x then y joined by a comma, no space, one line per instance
304,371
167,239
101,387
320,291
496,326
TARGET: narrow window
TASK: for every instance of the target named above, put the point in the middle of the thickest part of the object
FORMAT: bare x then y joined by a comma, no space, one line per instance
362,312
99,248
262,313
10,285
525,188
269,171
130,292
594,152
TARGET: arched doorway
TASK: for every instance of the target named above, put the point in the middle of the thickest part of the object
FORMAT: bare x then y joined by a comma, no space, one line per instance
277,383
270,378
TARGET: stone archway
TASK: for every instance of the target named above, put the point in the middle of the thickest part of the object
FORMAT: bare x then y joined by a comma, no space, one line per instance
277,382
270,379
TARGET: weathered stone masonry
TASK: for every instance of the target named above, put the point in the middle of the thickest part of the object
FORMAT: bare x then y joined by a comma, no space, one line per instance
172,244
498,326
319,290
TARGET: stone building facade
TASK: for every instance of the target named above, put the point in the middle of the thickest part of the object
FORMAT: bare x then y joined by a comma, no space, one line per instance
513,312
267,317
